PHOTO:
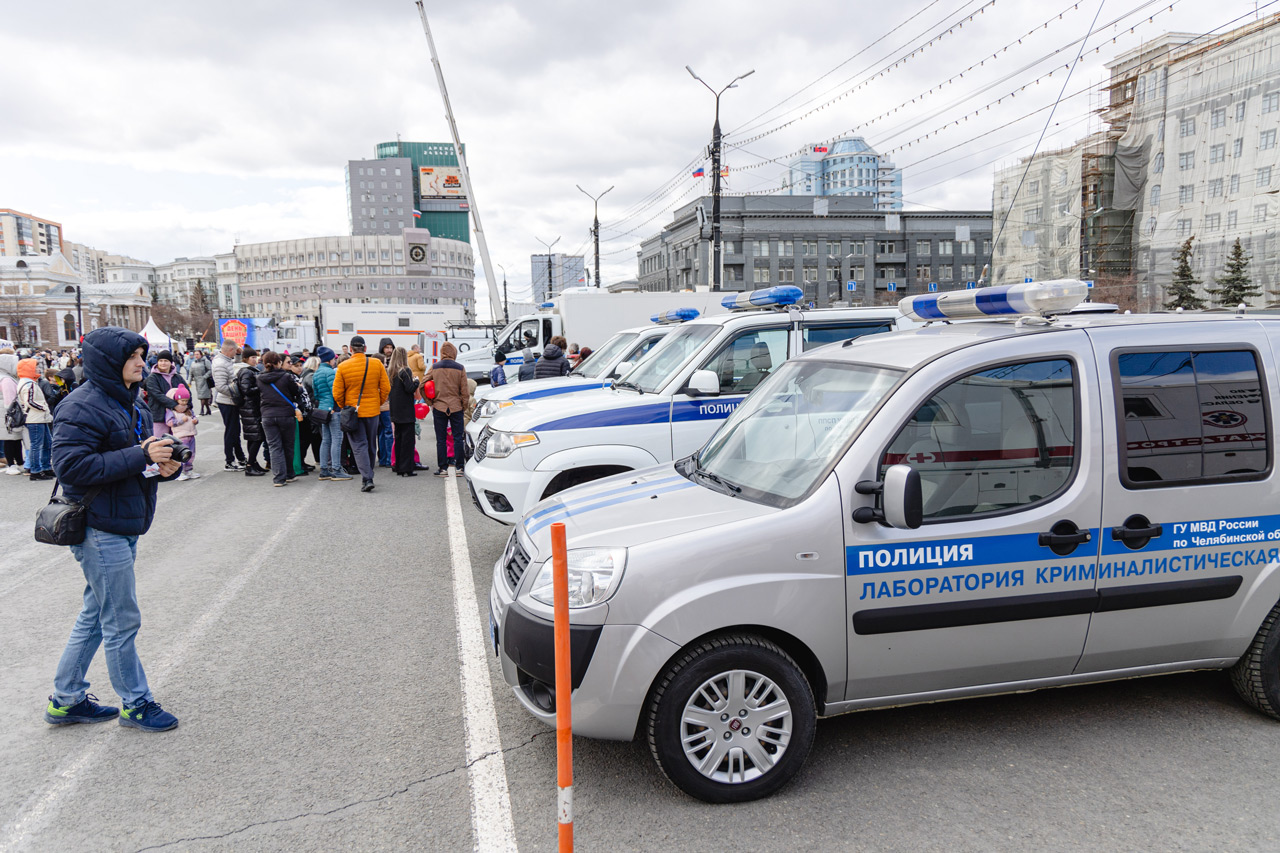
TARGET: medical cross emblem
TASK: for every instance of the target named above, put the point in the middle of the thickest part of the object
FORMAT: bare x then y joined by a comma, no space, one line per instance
920,458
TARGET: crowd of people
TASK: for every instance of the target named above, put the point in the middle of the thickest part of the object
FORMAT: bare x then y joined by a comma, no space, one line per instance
281,411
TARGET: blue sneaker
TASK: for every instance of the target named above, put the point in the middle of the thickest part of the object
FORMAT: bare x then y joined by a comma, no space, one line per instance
339,475
149,717
85,711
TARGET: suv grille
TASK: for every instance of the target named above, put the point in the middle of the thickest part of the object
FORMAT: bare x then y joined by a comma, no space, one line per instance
482,445
516,562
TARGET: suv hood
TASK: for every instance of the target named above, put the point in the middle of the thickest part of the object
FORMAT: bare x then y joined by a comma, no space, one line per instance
536,389
632,509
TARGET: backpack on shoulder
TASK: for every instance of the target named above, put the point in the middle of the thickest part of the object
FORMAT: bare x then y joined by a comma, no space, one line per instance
14,418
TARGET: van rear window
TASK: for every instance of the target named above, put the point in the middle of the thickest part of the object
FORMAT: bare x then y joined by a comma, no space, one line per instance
1191,417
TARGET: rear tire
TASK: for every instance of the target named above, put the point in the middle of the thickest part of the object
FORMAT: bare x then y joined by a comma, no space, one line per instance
732,719
1256,676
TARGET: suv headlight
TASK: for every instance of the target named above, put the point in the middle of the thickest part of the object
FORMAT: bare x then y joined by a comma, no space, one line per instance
594,574
503,444
489,408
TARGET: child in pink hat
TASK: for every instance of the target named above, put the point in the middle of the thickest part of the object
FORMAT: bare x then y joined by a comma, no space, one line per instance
183,423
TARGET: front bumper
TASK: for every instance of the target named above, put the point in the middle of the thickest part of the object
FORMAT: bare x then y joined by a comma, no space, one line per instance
612,666
498,480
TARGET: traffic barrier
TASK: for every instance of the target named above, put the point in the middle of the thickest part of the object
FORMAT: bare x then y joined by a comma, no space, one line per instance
564,686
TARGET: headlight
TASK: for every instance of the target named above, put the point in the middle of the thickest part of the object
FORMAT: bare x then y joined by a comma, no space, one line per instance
593,576
503,444
489,408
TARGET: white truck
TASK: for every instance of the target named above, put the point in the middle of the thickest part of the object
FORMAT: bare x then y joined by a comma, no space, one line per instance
586,318
339,322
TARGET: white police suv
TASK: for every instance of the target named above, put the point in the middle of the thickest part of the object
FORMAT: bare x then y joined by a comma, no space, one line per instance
950,511
665,407
615,356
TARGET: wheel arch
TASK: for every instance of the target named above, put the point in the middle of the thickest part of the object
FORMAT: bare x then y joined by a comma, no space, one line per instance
799,651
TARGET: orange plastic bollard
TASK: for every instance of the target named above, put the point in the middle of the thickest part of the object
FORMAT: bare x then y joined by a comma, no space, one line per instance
564,689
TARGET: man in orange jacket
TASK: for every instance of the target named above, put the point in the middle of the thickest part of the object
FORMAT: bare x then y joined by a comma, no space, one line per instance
364,384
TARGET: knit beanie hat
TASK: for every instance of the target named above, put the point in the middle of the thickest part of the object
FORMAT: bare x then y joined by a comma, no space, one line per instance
325,354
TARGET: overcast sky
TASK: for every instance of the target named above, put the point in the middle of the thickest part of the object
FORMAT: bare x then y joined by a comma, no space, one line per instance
169,129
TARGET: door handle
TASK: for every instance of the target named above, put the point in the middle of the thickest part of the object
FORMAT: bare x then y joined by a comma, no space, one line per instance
1136,532
1063,538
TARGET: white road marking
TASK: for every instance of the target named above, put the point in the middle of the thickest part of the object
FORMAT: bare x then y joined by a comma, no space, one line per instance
487,769
44,803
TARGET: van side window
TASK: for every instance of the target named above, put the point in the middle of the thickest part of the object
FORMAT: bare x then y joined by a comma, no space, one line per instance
1190,417
745,361
832,333
992,441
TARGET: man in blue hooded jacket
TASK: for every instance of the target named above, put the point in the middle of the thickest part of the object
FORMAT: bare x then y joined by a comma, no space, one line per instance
103,450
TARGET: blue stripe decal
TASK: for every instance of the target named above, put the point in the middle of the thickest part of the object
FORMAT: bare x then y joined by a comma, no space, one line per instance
993,300
566,513
927,309
974,552
1246,531
657,413
704,410
571,389
571,503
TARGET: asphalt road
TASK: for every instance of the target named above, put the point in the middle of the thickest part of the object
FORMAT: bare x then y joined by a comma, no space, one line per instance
307,638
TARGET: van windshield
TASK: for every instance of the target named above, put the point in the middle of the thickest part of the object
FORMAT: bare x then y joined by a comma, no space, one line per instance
655,369
599,360
786,434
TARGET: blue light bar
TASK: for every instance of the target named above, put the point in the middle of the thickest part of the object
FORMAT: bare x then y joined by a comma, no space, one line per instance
1011,300
786,294
547,305
675,315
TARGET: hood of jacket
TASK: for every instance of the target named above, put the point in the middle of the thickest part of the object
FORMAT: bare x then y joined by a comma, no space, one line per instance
105,352
28,369
383,344
9,366
552,352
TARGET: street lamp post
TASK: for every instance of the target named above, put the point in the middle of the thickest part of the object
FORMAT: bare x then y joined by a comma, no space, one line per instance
548,245
506,306
595,225
715,173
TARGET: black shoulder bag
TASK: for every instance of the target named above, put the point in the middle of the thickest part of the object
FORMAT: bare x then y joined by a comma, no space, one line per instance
63,521
349,419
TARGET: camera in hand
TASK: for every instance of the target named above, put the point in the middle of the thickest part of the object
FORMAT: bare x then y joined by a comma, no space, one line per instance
178,451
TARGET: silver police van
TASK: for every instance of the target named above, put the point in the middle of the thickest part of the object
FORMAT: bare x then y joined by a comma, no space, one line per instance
956,510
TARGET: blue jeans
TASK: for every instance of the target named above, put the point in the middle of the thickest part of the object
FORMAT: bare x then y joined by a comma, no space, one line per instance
110,618
41,445
331,444
386,436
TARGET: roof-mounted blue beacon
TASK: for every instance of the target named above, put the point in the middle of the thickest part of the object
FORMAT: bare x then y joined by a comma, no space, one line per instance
769,297
1033,299
675,315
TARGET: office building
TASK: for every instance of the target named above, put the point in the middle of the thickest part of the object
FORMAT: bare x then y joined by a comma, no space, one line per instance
846,167
437,186
565,271
820,245
380,196
288,279
22,234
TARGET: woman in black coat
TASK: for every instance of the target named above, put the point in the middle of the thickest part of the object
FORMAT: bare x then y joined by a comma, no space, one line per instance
403,418
278,394
162,379
246,380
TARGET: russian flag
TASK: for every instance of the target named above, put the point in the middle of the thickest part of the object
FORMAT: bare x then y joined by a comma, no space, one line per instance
417,213
699,172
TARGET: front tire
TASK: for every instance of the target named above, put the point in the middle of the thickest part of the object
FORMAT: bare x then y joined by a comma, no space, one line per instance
1256,675
732,719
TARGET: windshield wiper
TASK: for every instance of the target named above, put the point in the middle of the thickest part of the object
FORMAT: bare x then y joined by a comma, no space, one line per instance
699,471
619,384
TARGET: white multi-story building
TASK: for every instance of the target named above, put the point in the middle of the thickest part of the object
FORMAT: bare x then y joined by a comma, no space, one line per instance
1200,117
288,279
226,279
121,269
177,281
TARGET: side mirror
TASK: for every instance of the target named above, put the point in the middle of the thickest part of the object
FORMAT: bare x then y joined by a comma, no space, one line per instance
901,499
621,370
703,383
